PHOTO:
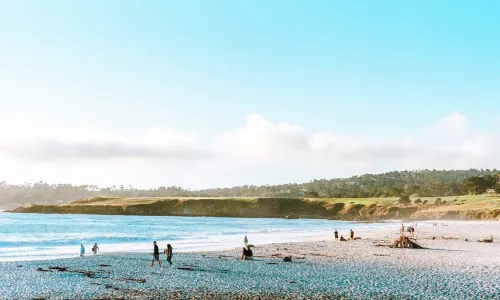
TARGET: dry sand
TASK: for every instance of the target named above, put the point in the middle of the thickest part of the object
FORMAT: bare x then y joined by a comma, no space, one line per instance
446,243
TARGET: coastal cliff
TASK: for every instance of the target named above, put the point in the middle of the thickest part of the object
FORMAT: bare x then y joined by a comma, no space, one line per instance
271,208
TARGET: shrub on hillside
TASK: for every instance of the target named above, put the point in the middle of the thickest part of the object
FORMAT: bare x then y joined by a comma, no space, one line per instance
404,200
338,206
417,201
425,202
311,195
438,201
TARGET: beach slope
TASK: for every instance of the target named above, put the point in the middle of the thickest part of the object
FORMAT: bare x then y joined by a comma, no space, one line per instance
451,268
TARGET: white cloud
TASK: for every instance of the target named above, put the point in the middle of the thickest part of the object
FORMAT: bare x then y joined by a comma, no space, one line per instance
262,139
39,145
453,125
450,142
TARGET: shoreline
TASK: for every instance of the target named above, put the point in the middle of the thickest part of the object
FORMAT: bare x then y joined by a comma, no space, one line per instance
391,226
449,268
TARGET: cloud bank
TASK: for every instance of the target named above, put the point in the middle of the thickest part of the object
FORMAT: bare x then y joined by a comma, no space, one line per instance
450,142
156,144
282,151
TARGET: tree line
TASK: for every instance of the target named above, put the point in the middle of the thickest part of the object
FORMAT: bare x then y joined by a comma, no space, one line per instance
423,183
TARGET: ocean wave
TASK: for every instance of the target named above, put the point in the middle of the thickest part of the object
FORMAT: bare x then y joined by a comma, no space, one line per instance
34,236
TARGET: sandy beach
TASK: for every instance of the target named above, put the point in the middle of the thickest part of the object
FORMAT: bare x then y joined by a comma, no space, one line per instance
451,268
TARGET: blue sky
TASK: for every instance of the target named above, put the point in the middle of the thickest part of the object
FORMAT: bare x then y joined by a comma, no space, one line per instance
385,69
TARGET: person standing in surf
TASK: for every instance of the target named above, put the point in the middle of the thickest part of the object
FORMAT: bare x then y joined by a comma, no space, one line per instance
95,249
245,241
336,235
82,250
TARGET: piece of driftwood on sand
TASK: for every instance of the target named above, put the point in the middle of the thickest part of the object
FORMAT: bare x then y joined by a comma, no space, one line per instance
405,242
402,242
490,240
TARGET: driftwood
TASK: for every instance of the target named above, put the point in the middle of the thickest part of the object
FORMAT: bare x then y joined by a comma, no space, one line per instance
490,240
405,242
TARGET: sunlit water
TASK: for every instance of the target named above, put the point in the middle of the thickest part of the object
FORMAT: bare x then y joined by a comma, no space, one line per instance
37,236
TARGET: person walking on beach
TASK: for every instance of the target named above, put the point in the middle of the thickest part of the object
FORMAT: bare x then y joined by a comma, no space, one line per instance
336,235
412,231
95,249
168,253
245,241
82,250
352,235
156,255
402,230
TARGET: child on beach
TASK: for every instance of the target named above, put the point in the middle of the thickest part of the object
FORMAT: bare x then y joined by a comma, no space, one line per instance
156,255
82,250
245,241
168,253
95,249
336,235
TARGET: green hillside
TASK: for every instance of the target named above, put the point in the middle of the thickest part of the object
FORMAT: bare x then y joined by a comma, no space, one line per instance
421,183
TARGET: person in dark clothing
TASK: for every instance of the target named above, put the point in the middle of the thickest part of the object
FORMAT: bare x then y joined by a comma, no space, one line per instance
336,235
352,235
168,253
247,254
156,255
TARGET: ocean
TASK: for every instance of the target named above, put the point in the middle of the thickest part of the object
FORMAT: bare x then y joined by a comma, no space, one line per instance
40,237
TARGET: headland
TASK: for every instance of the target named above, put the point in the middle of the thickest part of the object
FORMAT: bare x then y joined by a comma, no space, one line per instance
476,207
